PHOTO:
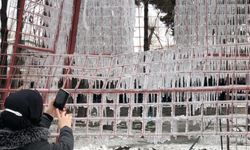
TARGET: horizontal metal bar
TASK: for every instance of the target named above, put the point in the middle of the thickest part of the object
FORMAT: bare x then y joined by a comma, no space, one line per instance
160,90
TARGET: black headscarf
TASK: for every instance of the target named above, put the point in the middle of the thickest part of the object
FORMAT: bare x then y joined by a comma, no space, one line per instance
29,103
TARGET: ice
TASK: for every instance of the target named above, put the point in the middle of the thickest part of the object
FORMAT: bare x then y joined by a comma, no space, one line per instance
106,27
133,94
94,147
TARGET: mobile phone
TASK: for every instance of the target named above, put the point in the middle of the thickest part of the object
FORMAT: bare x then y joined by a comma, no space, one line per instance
61,99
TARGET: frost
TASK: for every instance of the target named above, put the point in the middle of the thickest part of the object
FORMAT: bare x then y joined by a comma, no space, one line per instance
203,78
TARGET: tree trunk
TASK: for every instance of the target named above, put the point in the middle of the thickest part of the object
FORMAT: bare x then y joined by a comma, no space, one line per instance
146,40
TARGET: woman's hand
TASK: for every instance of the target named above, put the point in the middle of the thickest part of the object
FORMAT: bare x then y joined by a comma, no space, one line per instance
51,109
63,119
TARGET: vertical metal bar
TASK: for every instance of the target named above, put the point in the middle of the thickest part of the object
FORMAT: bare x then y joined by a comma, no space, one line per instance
72,42
15,47
206,34
221,138
228,139
139,27
54,48
74,27
197,22
130,112
227,112
73,34
4,43
58,27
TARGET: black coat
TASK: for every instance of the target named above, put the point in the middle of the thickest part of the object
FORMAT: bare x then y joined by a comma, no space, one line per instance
36,138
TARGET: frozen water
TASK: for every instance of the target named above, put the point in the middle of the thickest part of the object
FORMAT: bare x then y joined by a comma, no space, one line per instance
107,26
154,94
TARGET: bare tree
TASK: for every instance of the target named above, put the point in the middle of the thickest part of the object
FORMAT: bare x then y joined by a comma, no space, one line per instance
165,6
146,26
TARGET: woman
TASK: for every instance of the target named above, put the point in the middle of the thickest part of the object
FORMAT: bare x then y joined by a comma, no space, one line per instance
23,126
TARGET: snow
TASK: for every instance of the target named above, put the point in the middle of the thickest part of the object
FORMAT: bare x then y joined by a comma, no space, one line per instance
211,142
163,147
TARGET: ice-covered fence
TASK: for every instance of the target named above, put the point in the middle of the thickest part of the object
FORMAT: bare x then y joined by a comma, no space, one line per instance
212,22
113,96
106,26
30,26
198,87
38,23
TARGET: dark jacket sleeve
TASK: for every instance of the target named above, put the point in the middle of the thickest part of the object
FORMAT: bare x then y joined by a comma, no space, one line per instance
65,141
46,120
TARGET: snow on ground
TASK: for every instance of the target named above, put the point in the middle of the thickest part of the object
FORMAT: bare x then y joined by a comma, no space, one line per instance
129,143
165,147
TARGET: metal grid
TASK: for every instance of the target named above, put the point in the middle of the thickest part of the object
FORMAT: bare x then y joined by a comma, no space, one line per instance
199,87
121,102
37,23
106,27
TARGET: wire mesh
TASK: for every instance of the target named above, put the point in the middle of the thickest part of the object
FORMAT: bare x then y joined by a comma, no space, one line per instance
39,22
199,87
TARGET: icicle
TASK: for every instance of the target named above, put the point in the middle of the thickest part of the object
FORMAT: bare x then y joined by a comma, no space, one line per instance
85,25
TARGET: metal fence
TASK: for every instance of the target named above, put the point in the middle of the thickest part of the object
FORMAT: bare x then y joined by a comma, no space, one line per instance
198,87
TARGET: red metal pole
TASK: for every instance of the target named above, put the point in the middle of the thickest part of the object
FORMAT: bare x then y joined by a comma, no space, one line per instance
72,37
35,48
54,48
170,89
74,27
15,47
